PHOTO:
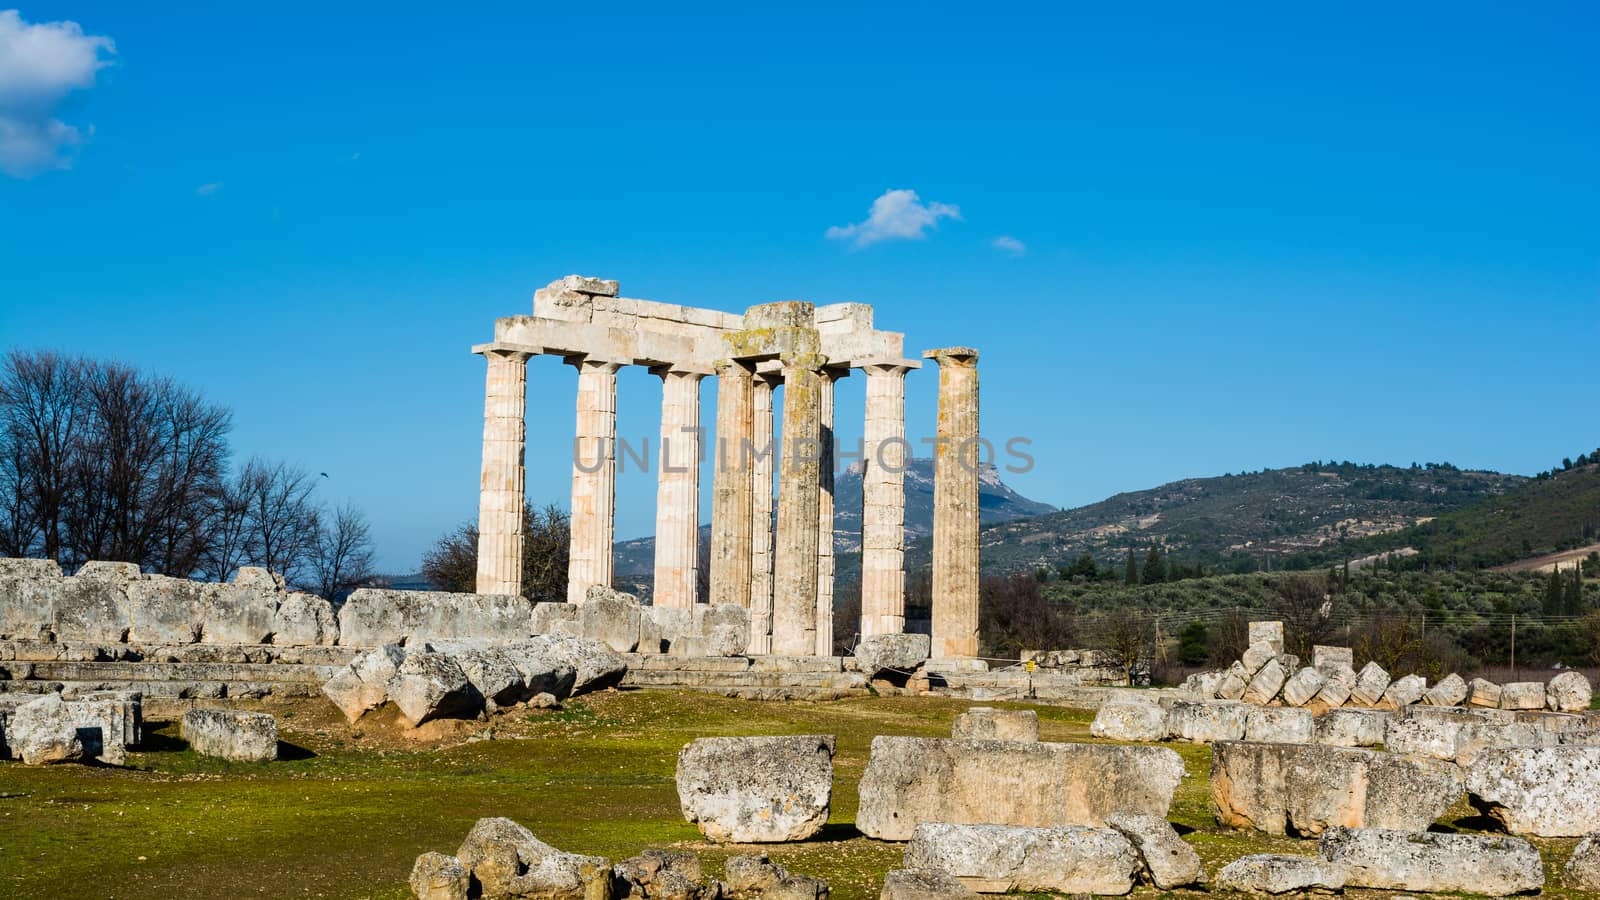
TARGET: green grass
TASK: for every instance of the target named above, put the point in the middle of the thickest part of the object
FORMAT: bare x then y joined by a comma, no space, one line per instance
347,818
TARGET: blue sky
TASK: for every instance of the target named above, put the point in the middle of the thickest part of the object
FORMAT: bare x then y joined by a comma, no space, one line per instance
1245,237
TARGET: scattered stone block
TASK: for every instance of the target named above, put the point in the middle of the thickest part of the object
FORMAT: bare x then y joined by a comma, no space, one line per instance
1582,871
1203,685
231,734
1404,691
1485,693
999,859
1337,683
1267,633
304,620
1324,659
436,876
611,617
1440,863
1207,723
1168,861
1265,685
752,875
1306,788
1257,655
506,860
924,884
429,686
1434,735
1303,686
892,652
594,665
1041,784
101,729
1451,691
1276,873
984,723
1352,727
1542,791
1522,695
1568,692
661,874
757,789
43,731
1120,720
1371,682
1232,686
1279,724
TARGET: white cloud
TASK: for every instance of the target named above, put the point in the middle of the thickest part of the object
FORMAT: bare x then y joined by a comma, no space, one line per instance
206,190
40,63
1009,245
897,215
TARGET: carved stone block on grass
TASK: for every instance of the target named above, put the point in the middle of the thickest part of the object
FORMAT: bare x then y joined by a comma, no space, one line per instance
757,789
231,734
1130,721
1000,859
985,723
1386,859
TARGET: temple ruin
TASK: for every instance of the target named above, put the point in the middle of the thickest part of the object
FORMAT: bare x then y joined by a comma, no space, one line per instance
782,573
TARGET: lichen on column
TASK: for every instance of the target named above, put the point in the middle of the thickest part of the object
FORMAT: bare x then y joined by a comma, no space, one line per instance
794,602
761,518
732,504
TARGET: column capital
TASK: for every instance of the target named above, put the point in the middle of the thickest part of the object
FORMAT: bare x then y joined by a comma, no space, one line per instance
965,357
593,363
888,366
667,370
725,367
517,352
814,362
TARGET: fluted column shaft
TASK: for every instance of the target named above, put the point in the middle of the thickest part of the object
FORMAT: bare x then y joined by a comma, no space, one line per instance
594,479
883,502
794,601
825,463
761,519
955,505
501,496
732,503
678,490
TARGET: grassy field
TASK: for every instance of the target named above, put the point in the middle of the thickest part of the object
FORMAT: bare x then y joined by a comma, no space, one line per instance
347,811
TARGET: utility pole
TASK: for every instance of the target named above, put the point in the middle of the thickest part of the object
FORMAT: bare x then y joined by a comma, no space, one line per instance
1513,646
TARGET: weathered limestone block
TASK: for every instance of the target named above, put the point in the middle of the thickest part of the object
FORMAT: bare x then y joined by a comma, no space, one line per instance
1206,723
1336,686
372,617
436,876
1279,724
492,674
1582,872
364,684
1232,686
999,859
1484,693
1448,692
101,729
1306,788
92,609
610,617
913,780
1169,861
433,686
1404,691
897,652
984,723
127,711
29,606
1557,722
752,877
23,567
1119,720
1266,683
924,884
659,873
562,618
1426,861
1328,658
722,630
304,620
1568,692
757,789
1267,633
1203,685
237,614
1522,695
110,571
165,610
1303,686
1352,727
1472,740
1433,735
594,665
43,731
1257,655
231,734
1277,873
1542,791
508,861
1371,682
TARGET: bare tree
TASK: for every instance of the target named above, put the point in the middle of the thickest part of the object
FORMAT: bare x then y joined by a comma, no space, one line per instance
452,563
1307,612
1127,638
1015,616
228,537
282,521
41,397
341,559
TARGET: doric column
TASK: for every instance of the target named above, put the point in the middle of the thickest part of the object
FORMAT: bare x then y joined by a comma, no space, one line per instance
883,502
761,518
825,463
594,478
731,494
500,487
794,588
955,505
678,489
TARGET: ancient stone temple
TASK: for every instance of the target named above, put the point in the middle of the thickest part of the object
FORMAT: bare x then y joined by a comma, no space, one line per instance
772,557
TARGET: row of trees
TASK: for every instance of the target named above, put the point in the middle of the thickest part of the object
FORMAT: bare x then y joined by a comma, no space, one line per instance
102,461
